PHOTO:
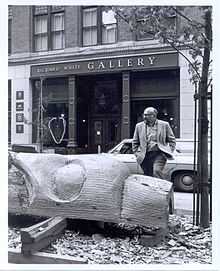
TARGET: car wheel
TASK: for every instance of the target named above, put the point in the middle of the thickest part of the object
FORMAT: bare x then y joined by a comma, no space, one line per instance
184,181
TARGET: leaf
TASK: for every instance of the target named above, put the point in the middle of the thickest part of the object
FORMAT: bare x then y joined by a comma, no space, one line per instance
172,243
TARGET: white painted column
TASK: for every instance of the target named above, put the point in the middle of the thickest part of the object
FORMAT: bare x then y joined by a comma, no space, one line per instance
186,100
20,81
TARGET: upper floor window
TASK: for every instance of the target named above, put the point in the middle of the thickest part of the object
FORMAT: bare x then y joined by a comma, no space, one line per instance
109,27
48,28
90,27
9,28
99,26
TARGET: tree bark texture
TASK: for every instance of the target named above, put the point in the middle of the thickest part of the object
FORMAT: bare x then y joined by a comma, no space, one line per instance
203,128
93,187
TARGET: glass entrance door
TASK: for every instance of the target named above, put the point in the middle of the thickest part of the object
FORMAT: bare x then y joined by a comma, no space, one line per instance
104,134
104,115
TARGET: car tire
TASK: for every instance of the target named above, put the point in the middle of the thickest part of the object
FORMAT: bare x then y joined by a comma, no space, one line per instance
184,181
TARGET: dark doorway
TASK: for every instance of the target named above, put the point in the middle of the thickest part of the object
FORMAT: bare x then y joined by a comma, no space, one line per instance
105,133
99,112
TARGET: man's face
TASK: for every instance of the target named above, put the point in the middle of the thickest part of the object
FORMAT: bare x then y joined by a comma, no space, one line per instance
149,116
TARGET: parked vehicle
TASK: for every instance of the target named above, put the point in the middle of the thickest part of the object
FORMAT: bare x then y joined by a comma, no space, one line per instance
179,170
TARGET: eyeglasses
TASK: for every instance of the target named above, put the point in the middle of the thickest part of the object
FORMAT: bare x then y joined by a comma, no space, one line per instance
149,115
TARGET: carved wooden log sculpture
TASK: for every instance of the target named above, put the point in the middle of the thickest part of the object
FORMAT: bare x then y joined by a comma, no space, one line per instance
93,187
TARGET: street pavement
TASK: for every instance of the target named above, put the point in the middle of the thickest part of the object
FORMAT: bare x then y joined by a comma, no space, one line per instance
183,203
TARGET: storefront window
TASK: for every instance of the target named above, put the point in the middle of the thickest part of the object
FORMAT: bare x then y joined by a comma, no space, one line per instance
167,111
55,109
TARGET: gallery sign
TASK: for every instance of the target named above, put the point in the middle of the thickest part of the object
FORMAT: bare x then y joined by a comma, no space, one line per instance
115,64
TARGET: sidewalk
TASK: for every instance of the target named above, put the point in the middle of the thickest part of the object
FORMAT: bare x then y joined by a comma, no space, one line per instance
183,203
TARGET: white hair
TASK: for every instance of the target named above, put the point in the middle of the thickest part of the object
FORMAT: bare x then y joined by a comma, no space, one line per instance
151,109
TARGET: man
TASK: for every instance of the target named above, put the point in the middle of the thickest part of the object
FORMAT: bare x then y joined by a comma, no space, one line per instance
153,142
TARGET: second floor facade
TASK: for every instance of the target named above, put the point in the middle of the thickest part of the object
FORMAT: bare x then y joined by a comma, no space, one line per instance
34,29
40,30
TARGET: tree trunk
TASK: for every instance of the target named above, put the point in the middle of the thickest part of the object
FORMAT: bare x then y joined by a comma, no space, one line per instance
93,187
203,128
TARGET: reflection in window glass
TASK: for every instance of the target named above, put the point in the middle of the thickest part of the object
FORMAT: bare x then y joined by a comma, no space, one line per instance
99,26
126,149
109,27
108,17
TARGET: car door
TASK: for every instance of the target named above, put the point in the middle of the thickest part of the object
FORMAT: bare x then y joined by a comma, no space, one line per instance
170,166
124,154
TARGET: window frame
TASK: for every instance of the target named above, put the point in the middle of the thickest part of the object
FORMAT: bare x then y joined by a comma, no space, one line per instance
99,26
116,29
90,27
50,12
9,30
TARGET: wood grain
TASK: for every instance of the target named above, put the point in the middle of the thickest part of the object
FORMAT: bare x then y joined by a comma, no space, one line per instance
15,256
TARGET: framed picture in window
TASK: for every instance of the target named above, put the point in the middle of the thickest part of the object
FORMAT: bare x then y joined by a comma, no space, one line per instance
19,106
19,128
19,117
19,95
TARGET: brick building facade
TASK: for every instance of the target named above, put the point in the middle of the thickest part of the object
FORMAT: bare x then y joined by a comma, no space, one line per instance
95,73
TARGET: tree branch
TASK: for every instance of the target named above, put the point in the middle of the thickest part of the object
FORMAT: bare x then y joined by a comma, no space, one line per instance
209,83
188,60
196,24
175,48
122,17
